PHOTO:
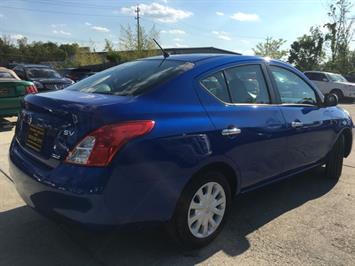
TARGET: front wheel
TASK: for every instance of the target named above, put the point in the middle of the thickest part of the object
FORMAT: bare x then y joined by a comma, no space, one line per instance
202,210
334,165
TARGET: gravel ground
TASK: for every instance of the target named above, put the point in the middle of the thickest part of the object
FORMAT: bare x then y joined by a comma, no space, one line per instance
305,220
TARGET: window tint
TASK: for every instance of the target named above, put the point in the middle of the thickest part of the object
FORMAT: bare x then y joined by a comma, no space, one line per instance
216,85
316,76
247,84
41,72
132,78
292,88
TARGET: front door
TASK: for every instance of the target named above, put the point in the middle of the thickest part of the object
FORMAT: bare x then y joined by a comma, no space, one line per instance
309,125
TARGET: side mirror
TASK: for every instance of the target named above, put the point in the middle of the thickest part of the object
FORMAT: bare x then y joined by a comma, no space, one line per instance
325,80
330,99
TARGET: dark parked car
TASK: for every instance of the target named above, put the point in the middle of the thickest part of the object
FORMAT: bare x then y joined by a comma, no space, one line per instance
76,74
44,77
173,140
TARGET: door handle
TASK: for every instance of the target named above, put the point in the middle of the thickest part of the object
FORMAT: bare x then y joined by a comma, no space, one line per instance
231,131
296,124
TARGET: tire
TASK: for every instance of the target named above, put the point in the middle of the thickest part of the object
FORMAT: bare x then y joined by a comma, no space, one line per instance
339,94
191,235
334,165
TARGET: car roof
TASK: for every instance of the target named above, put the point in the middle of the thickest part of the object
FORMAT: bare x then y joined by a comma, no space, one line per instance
321,72
194,58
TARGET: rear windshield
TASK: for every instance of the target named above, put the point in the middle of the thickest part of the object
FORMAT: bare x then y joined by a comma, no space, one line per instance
6,75
132,78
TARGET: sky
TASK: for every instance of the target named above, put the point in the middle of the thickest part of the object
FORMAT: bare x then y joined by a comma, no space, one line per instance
236,25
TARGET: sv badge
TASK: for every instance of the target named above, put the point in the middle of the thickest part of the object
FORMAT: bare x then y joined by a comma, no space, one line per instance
68,132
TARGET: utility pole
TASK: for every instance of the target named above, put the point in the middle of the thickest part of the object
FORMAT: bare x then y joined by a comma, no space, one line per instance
138,28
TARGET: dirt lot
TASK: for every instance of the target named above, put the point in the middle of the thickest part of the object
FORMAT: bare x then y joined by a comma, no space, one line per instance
306,220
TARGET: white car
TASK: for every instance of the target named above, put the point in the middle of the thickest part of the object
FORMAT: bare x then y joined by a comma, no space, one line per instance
332,83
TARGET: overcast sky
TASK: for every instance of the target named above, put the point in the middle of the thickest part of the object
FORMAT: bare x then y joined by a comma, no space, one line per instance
233,25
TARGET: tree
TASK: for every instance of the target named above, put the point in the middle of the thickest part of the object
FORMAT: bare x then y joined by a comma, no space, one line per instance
111,55
129,42
307,52
340,34
271,48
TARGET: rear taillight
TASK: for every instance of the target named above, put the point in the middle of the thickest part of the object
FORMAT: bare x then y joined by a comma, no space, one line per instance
100,146
31,89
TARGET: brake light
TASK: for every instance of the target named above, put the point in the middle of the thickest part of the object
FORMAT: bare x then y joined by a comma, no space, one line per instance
31,89
100,146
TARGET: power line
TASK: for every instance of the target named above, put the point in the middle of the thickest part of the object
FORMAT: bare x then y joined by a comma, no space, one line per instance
62,12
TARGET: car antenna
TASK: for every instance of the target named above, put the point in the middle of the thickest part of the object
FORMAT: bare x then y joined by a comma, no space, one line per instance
165,53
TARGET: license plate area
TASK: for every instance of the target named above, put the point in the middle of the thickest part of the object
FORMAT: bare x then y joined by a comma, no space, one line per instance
35,137
4,92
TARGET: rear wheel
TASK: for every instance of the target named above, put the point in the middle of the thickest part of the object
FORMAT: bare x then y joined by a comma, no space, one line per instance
334,165
202,210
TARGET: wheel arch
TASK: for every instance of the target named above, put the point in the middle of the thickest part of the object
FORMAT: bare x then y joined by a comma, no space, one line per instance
348,138
227,170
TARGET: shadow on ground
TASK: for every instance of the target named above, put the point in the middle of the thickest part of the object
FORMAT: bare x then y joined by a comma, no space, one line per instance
6,125
29,239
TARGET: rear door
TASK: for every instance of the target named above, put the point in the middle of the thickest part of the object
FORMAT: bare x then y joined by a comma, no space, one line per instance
309,125
248,127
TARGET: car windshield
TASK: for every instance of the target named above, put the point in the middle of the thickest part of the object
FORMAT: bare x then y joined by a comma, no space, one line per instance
41,72
132,78
337,78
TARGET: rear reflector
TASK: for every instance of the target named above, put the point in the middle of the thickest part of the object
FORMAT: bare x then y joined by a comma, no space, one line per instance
31,89
100,146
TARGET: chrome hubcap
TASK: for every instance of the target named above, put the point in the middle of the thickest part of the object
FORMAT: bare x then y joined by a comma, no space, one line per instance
206,210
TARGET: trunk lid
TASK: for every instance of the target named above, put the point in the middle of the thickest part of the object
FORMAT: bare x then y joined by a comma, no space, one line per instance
51,124
12,88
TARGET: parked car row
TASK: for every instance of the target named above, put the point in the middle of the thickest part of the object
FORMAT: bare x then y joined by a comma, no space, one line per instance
33,78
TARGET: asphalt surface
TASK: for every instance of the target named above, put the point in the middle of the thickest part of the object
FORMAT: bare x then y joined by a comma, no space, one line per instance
305,220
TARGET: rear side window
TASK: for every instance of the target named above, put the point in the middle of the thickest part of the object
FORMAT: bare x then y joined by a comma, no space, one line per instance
247,84
216,85
316,76
292,88
132,78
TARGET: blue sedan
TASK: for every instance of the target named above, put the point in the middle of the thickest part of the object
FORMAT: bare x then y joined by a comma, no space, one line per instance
173,140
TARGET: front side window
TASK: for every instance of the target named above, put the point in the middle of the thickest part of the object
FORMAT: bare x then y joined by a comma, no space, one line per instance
292,88
247,84
216,85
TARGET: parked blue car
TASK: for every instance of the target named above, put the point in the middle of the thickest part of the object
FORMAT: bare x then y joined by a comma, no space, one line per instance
173,140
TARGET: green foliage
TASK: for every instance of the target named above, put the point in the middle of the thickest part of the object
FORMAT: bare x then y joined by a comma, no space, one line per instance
307,52
134,49
111,55
340,34
271,48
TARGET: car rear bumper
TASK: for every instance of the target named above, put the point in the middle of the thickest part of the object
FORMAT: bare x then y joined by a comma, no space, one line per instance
60,204
92,196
